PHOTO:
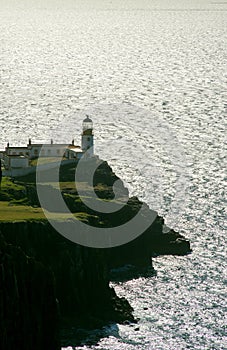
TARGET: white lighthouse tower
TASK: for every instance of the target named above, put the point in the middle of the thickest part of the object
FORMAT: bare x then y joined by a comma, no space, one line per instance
87,139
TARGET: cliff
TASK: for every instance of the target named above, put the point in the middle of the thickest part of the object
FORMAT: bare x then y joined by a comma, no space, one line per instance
65,276
79,278
28,312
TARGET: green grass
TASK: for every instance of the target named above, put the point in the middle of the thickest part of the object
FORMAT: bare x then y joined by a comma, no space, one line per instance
9,212
14,204
7,185
45,160
11,190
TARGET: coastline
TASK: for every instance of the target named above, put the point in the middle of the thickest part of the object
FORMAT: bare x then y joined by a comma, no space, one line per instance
80,274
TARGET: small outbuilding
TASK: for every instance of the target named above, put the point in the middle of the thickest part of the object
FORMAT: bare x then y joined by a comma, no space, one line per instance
16,162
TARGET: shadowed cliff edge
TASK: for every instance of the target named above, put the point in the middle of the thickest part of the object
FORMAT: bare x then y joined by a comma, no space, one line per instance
49,283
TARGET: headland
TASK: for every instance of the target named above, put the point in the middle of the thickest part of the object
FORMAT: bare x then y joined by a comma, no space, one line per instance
50,285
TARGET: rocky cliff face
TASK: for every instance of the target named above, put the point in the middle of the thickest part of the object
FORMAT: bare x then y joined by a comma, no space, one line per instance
46,279
77,275
150,243
40,271
28,308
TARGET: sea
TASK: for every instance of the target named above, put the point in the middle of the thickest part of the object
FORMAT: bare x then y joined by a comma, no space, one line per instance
152,76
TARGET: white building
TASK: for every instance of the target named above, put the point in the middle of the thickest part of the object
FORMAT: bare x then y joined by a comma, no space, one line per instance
19,157
16,162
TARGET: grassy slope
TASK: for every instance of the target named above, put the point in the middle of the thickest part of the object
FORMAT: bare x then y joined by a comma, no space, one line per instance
14,207
13,203
9,212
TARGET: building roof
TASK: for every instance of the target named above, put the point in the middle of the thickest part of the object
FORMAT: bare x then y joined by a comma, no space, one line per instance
87,120
48,144
17,147
76,150
73,146
16,156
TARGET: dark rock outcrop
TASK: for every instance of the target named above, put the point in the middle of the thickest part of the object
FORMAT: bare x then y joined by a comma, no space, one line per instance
170,243
28,308
80,273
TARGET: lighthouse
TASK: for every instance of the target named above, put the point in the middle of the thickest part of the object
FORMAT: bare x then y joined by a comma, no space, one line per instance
87,138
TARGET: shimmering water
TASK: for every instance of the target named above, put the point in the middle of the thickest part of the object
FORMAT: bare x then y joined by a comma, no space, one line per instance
152,74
